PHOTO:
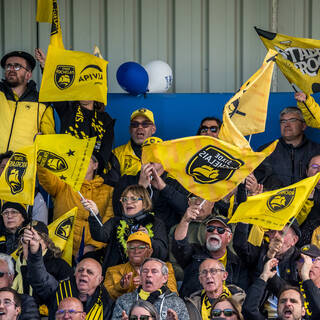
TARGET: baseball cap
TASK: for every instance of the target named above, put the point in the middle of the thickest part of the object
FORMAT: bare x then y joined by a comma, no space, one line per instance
140,236
25,55
310,250
143,112
224,220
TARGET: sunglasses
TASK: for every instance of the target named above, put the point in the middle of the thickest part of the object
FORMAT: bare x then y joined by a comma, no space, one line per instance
144,124
142,317
204,129
132,248
218,312
220,230
132,199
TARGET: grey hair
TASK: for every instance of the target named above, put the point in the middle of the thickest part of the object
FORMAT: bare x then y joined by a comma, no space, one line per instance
8,260
148,307
164,268
221,265
292,110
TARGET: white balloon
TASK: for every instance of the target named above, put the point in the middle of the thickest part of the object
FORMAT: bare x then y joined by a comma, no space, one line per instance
160,76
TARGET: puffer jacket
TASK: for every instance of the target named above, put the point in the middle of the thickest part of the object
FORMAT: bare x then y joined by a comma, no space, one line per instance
65,199
22,119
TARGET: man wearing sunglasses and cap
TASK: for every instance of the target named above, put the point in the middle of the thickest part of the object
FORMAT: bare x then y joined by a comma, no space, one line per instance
22,115
190,256
210,126
127,157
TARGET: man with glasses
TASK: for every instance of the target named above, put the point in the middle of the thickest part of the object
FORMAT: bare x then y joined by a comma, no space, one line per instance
124,278
210,126
212,276
290,158
70,308
127,158
22,116
10,304
189,256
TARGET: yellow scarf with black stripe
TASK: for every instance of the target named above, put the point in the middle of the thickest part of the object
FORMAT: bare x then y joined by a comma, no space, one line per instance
306,303
65,290
206,304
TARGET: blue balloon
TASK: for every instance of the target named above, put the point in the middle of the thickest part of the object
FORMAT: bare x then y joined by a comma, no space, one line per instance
133,78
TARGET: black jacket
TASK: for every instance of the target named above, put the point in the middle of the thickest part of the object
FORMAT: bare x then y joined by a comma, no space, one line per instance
289,163
29,308
190,256
49,289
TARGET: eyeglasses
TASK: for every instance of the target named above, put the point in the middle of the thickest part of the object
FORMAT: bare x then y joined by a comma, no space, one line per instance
315,166
291,120
204,129
220,230
195,200
7,302
15,66
71,312
132,199
211,271
132,248
142,317
226,312
13,213
144,124
3,273
301,260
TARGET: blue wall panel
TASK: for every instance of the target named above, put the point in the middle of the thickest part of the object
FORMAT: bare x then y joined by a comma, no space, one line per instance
179,115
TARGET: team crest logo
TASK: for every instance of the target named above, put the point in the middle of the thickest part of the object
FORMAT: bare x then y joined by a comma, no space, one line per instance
212,164
281,200
64,228
17,168
64,76
51,161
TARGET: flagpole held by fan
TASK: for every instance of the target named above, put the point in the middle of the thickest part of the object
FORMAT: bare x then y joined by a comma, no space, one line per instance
91,211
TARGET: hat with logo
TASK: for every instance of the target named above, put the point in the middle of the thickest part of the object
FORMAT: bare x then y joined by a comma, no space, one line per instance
25,55
143,112
310,250
18,206
140,236
224,220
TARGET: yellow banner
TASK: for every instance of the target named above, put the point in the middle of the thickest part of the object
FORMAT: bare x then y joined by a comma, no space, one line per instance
61,233
273,209
72,76
298,58
65,156
248,107
56,33
44,11
17,181
205,166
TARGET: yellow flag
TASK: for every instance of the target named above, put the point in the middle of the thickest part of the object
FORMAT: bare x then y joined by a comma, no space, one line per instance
273,209
298,59
65,156
72,76
205,166
17,181
61,233
44,11
248,107
56,33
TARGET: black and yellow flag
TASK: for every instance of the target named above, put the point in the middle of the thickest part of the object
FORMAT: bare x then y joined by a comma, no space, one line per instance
44,11
298,59
61,233
17,181
248,107
65,156
205,166
56,33
72,76
273,209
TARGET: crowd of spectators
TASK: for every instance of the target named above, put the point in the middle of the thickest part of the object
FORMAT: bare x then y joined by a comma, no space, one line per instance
158,252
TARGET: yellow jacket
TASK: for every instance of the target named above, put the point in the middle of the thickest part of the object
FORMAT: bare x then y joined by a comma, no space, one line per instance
115,273
64,199
22,119
129,163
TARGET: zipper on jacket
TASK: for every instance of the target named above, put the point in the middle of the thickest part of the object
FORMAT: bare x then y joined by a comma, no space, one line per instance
14,117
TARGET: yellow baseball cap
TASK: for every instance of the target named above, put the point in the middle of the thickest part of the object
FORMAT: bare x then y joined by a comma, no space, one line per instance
140,236
143,112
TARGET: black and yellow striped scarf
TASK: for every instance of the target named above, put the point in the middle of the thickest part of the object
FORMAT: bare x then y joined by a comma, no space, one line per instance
306,303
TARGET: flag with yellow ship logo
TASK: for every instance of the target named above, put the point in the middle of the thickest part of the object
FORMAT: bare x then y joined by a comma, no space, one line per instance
205,166
248,107
65,156
273,209
61,233
72,76
298,59
17,181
